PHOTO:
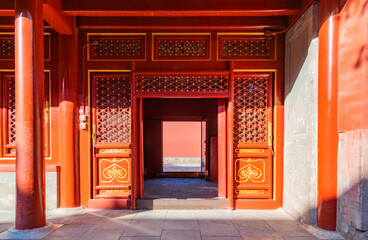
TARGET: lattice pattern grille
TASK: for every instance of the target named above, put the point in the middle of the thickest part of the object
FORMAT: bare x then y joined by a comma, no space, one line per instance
178,84
11,109
113,110
182,48
246,48
7,47
250,110
118,48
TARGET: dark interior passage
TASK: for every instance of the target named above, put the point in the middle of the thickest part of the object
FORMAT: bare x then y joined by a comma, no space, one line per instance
157,111
180,188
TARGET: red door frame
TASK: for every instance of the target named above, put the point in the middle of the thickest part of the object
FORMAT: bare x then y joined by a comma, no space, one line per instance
278,128
221,131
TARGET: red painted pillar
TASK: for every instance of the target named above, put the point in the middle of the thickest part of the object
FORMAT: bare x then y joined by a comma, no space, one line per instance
327,114
29,101
68,116
221,131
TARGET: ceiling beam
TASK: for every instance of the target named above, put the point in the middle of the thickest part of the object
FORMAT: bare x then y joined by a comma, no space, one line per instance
193,13
54,16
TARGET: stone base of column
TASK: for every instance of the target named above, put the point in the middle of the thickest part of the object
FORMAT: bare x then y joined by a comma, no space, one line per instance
35,233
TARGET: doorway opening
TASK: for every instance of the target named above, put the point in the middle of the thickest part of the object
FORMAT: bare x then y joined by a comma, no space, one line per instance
177,150
182,147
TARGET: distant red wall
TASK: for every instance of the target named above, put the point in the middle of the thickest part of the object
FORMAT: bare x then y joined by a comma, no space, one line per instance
157,111
181,139
353,67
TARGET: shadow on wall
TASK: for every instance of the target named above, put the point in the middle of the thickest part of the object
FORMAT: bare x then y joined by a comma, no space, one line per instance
352,211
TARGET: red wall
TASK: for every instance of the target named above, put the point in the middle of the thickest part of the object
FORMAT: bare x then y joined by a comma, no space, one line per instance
157,111
353,67
181,139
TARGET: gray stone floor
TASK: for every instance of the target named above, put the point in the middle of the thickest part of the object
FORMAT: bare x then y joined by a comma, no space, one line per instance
180,188
81,223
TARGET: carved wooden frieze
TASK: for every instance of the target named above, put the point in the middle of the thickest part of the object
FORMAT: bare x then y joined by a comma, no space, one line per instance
7,46
117,47
246,47
180,46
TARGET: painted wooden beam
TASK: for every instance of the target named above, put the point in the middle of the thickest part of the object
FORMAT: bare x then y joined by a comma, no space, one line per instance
54,16
193,13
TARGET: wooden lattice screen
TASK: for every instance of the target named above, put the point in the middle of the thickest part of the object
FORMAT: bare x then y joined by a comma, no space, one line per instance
111,106
252,135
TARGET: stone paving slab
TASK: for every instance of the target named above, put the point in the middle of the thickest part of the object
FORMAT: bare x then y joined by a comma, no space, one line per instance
80,223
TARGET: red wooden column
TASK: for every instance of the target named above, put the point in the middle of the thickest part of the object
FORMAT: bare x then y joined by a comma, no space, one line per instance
68,116
221,131
327,114
29,85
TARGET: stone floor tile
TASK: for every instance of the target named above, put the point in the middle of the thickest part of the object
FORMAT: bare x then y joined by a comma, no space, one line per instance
139,238
288,228
251,224
88,218
180,215
260,235
188,224
112,223
151,214
211,214
61,238
5,226
180,235
218,228
301,238
106,234
145,227
221,238
72,230
126,214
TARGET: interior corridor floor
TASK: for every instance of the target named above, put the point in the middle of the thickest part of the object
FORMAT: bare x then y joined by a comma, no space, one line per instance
180,188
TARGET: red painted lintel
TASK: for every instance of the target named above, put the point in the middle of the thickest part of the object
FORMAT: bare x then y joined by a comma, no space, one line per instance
193,13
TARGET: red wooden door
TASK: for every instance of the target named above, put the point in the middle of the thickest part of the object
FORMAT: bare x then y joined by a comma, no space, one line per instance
252,135
111,135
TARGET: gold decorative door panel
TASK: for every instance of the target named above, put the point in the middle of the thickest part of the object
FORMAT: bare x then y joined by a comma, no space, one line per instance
111,135
252,135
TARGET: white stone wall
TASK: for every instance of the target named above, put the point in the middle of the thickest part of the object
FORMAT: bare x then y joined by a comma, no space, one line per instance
301,89
352,187
7,190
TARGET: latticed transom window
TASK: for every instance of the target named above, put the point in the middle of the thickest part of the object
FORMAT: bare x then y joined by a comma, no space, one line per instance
177,84
250,110
113,109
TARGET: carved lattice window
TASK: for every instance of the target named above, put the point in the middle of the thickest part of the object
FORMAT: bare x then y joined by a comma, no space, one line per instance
194,46
181,48
11,109
250,109
117,47
182,84
7,48
113,111
9,116
246,47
